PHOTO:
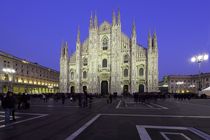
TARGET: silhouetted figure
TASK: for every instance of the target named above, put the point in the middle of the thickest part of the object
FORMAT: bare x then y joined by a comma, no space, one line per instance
80,99
63,98
44,97
85,101
8,104
110,98
90,100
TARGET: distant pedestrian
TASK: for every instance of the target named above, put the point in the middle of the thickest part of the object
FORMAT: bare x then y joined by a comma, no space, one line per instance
79,99
90,100
110,98
44,97
8,105
63,98
85,101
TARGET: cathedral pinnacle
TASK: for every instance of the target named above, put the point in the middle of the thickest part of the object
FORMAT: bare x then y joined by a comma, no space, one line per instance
149,41
118,17
113,18
133,29
154,35
78,35
66,44
154,40
149,35
95,21
91,21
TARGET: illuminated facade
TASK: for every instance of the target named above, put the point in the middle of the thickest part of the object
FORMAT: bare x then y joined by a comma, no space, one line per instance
109,61
19,75
187,83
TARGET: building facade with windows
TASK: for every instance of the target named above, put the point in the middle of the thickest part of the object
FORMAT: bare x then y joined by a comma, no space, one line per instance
187,83
19,75
109,61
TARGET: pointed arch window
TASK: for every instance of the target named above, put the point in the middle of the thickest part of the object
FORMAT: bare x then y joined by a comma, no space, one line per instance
126,58
126,72
72,75
85,62
105,43
84,74
104,63
141,72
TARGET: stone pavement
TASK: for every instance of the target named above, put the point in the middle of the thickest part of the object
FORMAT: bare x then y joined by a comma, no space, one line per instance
122,120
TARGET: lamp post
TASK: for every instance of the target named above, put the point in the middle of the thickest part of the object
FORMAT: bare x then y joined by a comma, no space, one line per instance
9,71
199,59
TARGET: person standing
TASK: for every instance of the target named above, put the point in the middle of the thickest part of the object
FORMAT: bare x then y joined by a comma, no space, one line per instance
8,105
63,98
85,103
13,102
110,98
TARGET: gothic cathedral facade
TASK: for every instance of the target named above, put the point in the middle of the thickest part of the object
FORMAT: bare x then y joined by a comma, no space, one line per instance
109,61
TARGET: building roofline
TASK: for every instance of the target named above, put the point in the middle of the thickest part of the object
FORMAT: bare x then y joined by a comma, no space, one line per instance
24,60
190,75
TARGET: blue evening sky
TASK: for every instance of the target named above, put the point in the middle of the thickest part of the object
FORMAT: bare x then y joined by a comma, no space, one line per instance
35,29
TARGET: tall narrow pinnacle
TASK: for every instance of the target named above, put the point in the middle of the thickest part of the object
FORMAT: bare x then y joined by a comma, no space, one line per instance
149,35
113,18
65,49
78,35
95,21
133,29
154,40
91,21
118,17
149,40
154,35
66,44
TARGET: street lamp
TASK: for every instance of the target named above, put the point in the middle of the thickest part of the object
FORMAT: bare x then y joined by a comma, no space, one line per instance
199,59
9,71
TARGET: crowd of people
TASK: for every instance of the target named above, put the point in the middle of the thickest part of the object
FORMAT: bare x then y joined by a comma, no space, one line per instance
146,97
22,101
9,102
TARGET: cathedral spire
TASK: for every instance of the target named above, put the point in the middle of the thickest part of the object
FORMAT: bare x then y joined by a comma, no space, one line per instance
78,35
149,41
113,18
95,21
91,20
66,44
134,29
118,18
64,49
154,41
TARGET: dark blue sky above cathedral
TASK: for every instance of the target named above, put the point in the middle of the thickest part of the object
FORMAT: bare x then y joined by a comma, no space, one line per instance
35,29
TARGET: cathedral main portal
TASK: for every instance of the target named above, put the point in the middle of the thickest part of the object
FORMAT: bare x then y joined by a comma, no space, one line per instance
104,87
